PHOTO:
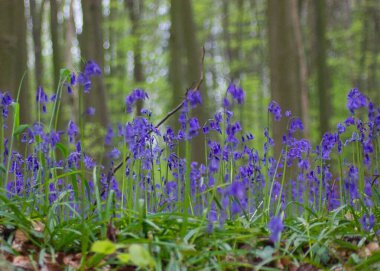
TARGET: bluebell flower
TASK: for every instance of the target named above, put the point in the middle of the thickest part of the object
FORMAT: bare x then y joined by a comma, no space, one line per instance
355,100
90,111
341,128
133,97
275,226
237,93
368,222
275,109
42,98
194,98
295,124
5,101
193,127
72,131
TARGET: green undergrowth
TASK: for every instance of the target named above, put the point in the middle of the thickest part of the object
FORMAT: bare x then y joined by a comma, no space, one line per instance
163,241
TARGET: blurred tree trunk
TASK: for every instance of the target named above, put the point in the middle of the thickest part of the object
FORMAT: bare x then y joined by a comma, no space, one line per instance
185,66
193,65
135,8
70,36
55,30
176,65
13,54
91,43
370,49
322,69
36,13
287,72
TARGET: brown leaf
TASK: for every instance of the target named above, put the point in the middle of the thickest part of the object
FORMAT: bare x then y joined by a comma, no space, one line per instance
38,226
72,260
23,262
307,267
111,232
20,240
285,263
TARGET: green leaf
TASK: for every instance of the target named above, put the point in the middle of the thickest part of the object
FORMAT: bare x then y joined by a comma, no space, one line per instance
140,256
103,247
16,114
63,149
124,257
64,73
2,168
19,129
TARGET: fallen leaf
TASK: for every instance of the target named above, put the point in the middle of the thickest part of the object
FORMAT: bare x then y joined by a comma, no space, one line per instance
23,262
307,267
19,240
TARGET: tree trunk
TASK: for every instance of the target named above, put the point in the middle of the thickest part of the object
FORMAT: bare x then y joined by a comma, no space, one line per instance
55,30
91,42
13,54
176,66
36,12
322,70
135,8
193,57
287,80
70,36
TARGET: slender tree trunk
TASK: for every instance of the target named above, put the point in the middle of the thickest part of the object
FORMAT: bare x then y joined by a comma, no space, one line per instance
91,42
55,30
13,54
70,36
193,57
36,12
135,8
176,66
286,75
322,70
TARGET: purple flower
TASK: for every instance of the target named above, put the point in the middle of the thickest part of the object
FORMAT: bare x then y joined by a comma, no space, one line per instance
5,101
276,227
341,128
367,222
295,124
275,109
355,100
90,111
193,127
42,98
92,69
237,93
72,131
194,97
114,154
133,97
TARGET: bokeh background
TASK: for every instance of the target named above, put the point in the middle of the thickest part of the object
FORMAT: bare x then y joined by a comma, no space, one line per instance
305,54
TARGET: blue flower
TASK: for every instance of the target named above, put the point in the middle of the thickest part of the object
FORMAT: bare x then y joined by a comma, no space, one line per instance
237,93
367,222
276,227
5,101
275,109
355,100
194,98
42,98
133,97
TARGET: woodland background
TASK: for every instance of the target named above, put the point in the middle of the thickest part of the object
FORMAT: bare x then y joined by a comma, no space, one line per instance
305,54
